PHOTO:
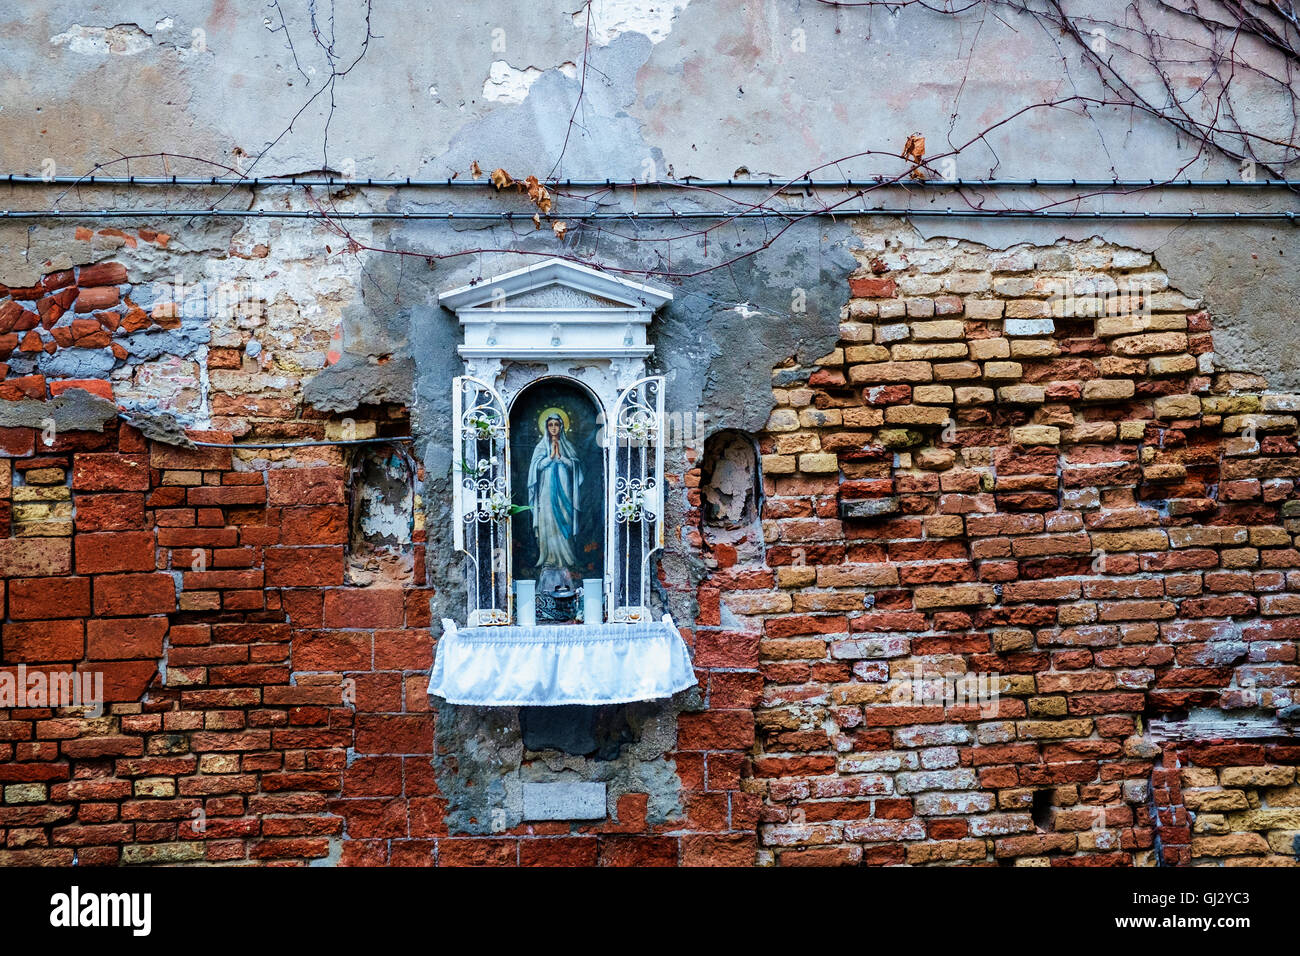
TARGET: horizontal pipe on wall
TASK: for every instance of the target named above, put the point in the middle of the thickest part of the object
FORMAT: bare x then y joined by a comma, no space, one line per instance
18,179
525,217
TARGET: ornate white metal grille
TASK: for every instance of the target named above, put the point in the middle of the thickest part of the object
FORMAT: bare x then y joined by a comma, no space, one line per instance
635,513
482,503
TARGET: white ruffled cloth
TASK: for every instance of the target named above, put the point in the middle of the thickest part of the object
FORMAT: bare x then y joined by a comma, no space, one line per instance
551,664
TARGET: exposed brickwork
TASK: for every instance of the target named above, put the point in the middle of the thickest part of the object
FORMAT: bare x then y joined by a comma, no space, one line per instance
88,308
1242,802
1023,464
983,477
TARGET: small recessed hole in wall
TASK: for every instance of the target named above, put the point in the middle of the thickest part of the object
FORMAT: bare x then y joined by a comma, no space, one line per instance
731,486
1041,809
381,515
731,497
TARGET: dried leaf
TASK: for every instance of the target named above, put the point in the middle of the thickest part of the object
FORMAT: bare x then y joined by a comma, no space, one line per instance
475,169
914,148
918,173
538,194
537,221
559,227
501,179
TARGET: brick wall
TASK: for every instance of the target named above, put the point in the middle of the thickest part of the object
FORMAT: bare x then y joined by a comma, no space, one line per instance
259,707
1024,465
995,472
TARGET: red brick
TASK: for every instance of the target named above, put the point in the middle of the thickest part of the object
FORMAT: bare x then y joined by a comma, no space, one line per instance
125,638
227,495
123,595
99,297
304,567
95,386
109,512
305,486
30,557
403,650
317,524
110,472
559,851
869,288
638,851
478,852
43,641
36,598
368,607
114,551
102,273
716,730
332,651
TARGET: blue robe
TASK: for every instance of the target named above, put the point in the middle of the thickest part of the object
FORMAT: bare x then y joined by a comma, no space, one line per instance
554,485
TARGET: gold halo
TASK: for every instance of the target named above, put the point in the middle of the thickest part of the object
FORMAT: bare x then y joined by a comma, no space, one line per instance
547,413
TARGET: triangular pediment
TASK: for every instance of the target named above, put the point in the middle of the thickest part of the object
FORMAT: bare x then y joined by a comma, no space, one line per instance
556,284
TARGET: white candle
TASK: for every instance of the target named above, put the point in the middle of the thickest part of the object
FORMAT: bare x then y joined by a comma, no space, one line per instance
593,604
526,602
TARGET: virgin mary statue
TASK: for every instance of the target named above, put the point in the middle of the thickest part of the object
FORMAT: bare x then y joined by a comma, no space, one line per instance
554,482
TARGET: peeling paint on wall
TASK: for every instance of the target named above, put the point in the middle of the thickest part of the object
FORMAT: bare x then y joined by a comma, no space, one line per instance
507,84
612,18
124,39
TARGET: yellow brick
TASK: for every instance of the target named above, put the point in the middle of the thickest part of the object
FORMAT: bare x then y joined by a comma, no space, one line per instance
779,464
935,351
932,394
347,429
892,372
1021,394
953,595
53,493
944,526
820,417
977,395
783,420
797,443
1036,435
1053,729
1001,371
1152,344
956,371
1107,390
1177,406
916,415
758,602
795,577
984,349
941,329
864,417
819,463
1034,348
1172,365
1267,776
866,353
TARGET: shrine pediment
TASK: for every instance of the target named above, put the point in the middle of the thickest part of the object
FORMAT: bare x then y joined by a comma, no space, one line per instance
555,308
555,283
